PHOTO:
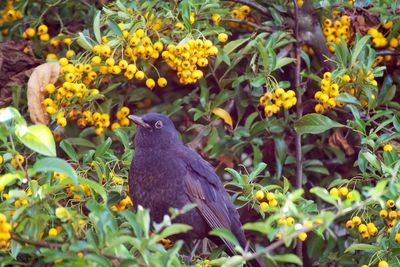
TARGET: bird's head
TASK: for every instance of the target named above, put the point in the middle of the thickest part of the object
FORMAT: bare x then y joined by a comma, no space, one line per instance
154,131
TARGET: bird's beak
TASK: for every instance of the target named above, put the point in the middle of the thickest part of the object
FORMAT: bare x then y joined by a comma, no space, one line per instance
139,121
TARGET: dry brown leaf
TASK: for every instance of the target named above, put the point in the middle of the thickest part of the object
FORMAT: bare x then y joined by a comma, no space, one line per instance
41,76
339,141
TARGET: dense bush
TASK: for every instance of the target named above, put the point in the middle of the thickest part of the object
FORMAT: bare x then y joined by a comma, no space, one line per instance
295,103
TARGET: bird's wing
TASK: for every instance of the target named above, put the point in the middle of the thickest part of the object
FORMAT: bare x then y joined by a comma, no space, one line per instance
204,188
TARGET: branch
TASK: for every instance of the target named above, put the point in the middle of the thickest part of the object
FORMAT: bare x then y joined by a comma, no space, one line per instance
54,245
299,111
248,23
388,52
252,4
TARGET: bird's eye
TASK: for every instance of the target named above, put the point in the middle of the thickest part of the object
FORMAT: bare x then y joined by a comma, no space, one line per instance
158,124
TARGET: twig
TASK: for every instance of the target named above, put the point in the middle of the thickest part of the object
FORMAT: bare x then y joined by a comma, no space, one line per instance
17,159
54,245
254,5
299,111
388,52
249,23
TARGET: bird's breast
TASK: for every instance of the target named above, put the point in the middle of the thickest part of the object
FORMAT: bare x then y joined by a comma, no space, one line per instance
156,181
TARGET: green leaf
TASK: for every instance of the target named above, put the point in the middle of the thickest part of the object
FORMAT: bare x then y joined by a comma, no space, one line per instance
175,229
225,234
11,113
348,98
96,26
69,150
260,167
233,45
123,137
315,124
323,194
358,47
291,258
364,247
283,62
261,227
372,159
103,148
83,42
55,165
38,138
184,8
114,27
8,178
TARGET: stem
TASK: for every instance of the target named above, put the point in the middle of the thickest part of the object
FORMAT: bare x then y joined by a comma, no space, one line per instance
19,163
254,5
299,111
54,245
255,26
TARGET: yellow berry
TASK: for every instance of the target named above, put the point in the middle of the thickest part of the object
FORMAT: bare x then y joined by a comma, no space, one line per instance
260,195
270,196
383,213
349,224
302,236
44,37
70,53
61,213
264,206
50,88
390,203
356,220
383,264
388,24
343,191
139,75
115,126
392,214
124,122
397,238
179,26
62,122
388,148
273,203
362,228
222,37
53,232
150,83
162,82
42,29
334,192
290,220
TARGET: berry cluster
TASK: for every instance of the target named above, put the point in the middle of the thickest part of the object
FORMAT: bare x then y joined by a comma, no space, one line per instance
241,13
122,204
341,192
17,159
9,14
266,199
5,229
122,118
369,229
334,30
186,58
378,37
272,102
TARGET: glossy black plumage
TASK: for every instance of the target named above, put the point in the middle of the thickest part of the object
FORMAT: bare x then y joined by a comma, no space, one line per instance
165,173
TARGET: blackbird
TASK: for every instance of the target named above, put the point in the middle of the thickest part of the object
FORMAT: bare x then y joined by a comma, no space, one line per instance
165,173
